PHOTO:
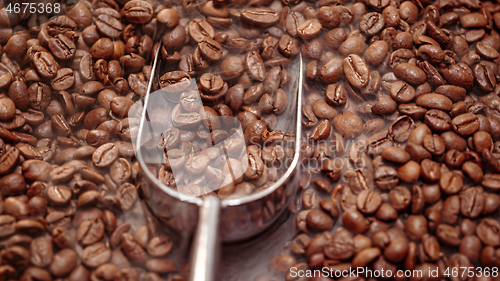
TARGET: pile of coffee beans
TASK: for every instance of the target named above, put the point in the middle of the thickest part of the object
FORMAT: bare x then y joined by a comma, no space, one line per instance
69,201
401,167
400,163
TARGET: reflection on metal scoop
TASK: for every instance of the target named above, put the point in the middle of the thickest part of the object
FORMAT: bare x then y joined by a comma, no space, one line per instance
195,173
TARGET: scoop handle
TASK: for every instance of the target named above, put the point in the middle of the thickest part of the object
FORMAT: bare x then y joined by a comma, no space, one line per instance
206,243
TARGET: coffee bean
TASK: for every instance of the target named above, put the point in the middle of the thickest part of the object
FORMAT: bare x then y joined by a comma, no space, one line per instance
487,231
331,71
348,124
105,155
90,231
465,124
355,221
41,251
368,201
138,11
416,226
159,246
321,131
127,195
356,71
59,195
169,17
63,262
132,250
109,26
261,17
309,29
371,23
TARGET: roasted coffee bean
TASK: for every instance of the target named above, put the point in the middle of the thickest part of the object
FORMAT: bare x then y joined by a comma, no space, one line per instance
465,124
109,26
63,262
138,11
105,155
348,124
261,17
321,131
487,231
371,23
319,220
332,71
368,201
356,71
409,73
90,232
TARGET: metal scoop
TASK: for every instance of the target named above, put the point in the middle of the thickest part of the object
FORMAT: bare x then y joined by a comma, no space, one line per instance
212,220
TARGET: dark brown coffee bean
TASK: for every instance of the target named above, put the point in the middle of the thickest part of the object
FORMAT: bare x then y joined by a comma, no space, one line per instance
348,124
41,251
309,119
400,198
102,49
416,226
138,11
459,75
451,182
309,29
355,221
63,262
60,126
62,174
366,256
105,155
356,71
95,255
397,249
321,131
310,199
465,124
255,66
395,154
59,195
210,49
410,73
488,231
484,77
368,201
39,95
262,17
402,92
45,64
169,17
133,250
472,201
371,23
386,177
62,47
90,232
159,246
109,26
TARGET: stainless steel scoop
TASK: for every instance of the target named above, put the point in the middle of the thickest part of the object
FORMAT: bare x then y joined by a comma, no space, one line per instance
210,219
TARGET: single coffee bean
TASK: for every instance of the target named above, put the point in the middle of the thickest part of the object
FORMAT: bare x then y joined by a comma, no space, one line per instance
138,11
410,73
356,71
262,17
488,231
105,155
371,23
